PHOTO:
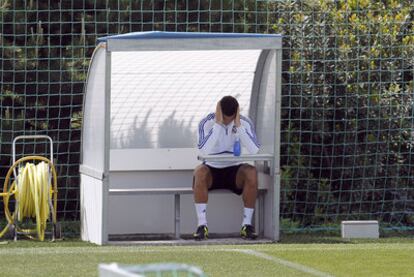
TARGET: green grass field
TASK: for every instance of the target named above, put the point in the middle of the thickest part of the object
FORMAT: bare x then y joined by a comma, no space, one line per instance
321,257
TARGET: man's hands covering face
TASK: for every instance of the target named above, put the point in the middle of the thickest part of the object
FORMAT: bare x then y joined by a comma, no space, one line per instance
237,118
219,113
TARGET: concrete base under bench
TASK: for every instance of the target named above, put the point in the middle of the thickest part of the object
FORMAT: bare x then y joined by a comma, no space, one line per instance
214,241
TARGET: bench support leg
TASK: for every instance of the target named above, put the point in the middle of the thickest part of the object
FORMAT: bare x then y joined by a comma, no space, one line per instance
177,216
259,215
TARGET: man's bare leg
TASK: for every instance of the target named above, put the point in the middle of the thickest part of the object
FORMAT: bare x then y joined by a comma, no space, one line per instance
246,179
202,182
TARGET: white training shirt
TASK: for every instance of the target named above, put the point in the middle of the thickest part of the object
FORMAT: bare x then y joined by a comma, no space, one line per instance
216,139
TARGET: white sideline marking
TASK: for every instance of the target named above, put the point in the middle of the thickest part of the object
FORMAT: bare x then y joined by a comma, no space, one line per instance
293,265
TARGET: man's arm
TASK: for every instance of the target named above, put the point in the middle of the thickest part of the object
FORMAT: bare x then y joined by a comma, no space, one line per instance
208,134
209,130
247,135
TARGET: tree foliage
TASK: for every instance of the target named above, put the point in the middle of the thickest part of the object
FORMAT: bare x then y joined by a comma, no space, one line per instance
347,111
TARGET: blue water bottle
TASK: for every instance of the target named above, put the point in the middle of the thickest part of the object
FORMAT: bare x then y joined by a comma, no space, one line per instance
236,147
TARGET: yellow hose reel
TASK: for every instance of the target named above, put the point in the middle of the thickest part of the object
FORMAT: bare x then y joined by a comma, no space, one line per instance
34,189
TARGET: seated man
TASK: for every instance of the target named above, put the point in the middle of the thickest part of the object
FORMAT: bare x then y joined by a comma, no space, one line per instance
217,135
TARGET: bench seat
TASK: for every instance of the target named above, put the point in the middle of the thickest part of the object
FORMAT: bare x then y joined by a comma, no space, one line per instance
174,160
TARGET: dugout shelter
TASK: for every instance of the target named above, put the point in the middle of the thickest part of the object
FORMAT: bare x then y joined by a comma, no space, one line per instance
145,95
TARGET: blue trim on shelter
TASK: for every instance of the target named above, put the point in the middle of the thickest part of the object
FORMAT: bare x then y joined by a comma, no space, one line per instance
184,35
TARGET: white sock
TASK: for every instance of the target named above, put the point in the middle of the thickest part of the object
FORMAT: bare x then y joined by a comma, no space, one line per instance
247,216
201,209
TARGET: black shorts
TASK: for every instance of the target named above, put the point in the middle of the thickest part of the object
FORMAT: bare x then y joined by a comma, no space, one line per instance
225,178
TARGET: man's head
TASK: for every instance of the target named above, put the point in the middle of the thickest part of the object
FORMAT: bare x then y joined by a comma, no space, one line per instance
229,105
